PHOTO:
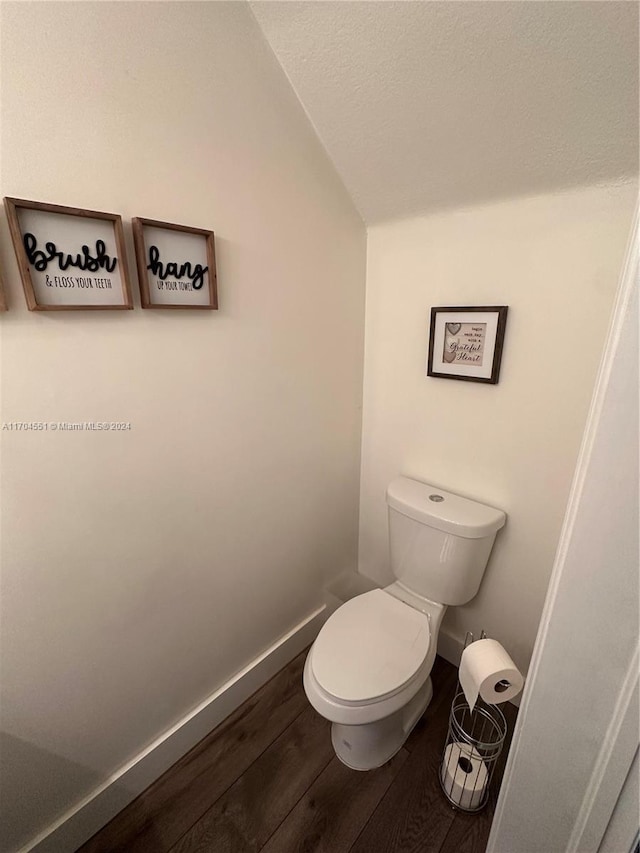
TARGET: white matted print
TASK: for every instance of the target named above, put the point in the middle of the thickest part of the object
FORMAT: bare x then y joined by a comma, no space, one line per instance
176,265
69,258
466,343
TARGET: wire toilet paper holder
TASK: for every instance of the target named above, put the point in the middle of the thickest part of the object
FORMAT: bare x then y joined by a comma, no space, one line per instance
475,740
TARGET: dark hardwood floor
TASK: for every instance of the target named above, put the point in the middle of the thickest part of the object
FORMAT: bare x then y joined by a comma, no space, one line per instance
267,779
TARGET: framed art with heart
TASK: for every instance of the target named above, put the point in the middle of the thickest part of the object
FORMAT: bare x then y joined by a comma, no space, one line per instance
466,343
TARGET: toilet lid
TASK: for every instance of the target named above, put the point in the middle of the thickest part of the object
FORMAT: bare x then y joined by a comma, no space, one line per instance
370,647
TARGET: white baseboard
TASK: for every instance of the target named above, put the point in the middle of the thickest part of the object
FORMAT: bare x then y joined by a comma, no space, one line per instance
450,647
85,818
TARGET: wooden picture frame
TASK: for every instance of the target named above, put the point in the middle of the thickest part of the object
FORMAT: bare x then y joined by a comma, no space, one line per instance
176,265
466,343
54,244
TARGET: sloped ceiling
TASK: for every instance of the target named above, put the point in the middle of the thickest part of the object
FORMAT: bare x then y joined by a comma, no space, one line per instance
425,105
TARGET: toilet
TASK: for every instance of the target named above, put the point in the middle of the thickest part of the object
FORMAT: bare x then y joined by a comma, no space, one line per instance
368,671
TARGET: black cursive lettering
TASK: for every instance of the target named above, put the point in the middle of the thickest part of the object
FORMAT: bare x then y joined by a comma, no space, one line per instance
85,261
195,273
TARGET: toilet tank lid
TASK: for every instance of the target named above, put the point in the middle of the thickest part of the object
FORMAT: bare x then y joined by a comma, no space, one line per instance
443,510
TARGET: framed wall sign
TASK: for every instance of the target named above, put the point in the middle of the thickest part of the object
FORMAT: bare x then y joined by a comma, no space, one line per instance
176,265
69,258
466,343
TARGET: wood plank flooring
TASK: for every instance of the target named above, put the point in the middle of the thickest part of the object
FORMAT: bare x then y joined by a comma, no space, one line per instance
267,781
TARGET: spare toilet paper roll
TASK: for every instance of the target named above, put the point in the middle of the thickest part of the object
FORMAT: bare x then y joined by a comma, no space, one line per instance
464,775
486,669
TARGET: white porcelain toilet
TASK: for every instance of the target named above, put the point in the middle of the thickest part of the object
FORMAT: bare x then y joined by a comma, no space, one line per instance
368,670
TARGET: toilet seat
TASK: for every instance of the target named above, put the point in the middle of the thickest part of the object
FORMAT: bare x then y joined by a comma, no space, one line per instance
370,648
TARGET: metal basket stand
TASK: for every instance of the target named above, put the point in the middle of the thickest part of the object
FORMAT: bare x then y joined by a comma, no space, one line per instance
474,742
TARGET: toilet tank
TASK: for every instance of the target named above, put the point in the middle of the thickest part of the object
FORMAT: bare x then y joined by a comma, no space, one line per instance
439,542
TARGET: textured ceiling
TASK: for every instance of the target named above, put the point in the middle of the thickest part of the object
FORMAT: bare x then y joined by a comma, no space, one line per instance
424,105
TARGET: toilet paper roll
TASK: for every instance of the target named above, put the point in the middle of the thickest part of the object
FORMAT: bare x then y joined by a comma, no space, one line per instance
487,670
464,775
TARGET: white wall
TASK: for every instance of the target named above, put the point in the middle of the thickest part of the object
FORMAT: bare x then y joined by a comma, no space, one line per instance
554,260
142,569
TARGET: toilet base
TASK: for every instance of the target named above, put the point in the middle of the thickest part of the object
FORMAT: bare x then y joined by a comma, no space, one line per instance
371,745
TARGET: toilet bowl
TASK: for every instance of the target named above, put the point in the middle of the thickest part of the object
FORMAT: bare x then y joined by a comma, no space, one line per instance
368,670
368,673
